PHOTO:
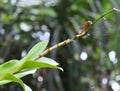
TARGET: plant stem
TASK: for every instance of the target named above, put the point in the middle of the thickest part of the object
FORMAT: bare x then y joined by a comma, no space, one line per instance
67,41
83,32
107,13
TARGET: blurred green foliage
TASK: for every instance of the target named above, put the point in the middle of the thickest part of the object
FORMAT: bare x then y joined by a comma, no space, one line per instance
24,24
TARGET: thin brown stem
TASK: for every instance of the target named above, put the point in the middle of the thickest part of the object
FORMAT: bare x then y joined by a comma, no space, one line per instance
67,41
107,13
81,34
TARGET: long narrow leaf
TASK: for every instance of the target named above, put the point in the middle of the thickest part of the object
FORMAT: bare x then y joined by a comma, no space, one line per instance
27,88
12,78
2,82
22,74
48,60
37,64
18,75
7,67
37,49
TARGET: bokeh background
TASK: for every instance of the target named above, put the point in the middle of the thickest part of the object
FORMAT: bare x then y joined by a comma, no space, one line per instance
90,63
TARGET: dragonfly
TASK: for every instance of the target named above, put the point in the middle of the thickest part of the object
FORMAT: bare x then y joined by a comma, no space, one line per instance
85,27
67,41
83,32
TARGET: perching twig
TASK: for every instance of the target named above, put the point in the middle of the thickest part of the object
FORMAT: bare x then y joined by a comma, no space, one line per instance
81,34
65,42
102,16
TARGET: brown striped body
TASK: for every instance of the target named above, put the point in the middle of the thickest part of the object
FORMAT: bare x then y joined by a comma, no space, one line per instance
84,30
86,26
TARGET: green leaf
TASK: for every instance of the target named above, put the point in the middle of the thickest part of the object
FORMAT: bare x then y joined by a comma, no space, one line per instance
7,67
27,88
37,49
18,75
48,60
36,64
2,82
22,74
11,77
29,67
41,63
